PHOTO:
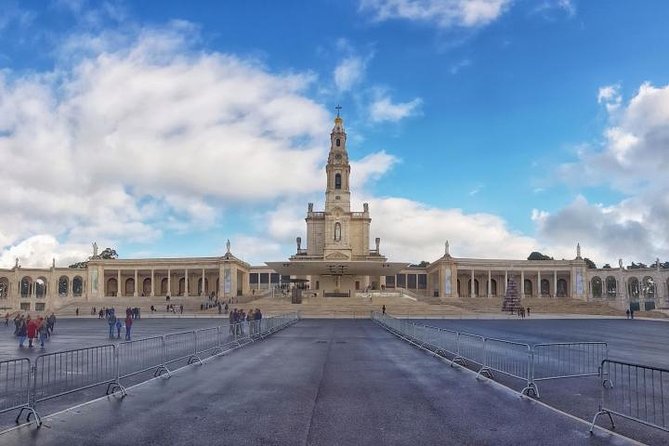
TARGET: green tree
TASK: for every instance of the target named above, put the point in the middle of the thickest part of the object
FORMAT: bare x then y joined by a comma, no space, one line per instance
536,255
590,263
107,253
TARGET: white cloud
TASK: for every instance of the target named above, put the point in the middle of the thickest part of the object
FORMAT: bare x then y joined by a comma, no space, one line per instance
370,168
384,109
126,138
349,72
39,250
609,95
458,66
413,231
442,13
633,159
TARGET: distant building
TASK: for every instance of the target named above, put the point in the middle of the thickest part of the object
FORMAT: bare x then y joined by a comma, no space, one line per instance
335,262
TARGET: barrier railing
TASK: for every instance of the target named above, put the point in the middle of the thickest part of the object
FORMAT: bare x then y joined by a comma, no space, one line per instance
15,385
635,392
530,363
23,383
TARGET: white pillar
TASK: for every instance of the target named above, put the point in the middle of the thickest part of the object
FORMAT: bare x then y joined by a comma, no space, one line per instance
202,292
135,294
153,279
522,283
539,283
506,281
186,282
473,289
555,283
169,281
489,284
119,288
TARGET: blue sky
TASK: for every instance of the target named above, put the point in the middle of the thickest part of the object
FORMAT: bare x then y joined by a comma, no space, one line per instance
165,128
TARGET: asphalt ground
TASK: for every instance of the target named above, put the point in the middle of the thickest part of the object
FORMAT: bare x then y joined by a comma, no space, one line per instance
636,341
318,382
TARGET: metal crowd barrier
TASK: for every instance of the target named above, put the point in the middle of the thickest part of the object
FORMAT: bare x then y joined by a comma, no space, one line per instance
23,383
636,392
529,363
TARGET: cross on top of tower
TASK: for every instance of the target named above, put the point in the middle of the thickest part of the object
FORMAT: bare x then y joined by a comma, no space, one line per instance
338,108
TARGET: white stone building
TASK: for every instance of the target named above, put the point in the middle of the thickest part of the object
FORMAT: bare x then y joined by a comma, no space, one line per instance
336,261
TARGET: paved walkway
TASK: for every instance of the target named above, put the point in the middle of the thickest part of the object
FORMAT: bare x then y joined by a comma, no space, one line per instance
318,382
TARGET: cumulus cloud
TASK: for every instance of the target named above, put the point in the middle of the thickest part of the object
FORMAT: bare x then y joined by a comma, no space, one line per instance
384,109
415,231
349,72
442,13
632,159
40,250
128,139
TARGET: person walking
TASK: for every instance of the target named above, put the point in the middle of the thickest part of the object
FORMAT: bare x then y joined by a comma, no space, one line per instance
119,325
111,320
32,330
128,326
43,331
627,312
22,332
383,309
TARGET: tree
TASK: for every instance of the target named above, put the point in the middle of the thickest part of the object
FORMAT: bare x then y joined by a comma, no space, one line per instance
107,253
536,255
422,264
606,266
590,263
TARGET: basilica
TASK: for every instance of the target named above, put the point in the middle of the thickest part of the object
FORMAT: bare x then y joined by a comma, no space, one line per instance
335,261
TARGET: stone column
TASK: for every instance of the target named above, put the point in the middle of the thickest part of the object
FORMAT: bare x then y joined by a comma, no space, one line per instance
136,293
119,288
506,281
153,280
169,281
489,284
539,283
186,283
554,283
472,291
202,292
522,284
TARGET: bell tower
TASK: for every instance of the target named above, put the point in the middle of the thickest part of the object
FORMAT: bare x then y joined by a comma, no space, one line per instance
338,169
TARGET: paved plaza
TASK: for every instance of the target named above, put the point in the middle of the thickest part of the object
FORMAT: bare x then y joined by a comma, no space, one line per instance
304,384
317,382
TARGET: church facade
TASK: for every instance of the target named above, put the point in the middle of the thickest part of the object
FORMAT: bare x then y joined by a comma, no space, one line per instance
337,261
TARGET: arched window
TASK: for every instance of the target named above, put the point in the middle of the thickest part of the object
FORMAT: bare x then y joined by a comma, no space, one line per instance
527,287
648,287
337,232
146,287
26,287
182,286
561,288
4,288
596,284
163,287
77,286
633,288
63,285
545,287
112,287
338,181
611,287
130,287
40,287
337,142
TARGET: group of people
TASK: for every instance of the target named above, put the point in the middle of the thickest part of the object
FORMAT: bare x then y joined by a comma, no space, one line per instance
34,329
116,323
241,323
522,311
